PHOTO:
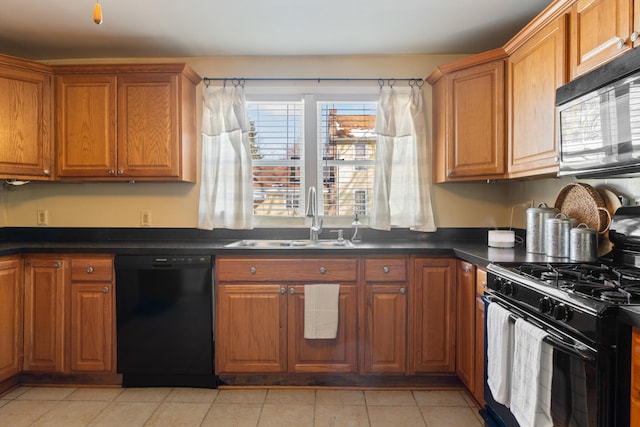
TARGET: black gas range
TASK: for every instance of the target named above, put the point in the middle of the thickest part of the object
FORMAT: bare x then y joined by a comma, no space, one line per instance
578,306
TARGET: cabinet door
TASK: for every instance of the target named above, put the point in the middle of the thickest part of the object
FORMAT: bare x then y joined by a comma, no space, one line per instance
475,122
148,125
25,120
10,317
91,328
251,328
86,125
600,31
635,377
465,324
536,70
432,338
44,308
337,355
385,334
478,391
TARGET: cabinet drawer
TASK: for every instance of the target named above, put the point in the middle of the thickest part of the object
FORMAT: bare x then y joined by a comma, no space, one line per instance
92,269
286,270
481,281
385,270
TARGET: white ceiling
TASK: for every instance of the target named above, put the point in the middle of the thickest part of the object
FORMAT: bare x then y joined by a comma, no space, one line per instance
64,29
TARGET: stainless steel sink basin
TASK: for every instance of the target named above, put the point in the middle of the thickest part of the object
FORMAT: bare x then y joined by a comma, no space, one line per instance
273,244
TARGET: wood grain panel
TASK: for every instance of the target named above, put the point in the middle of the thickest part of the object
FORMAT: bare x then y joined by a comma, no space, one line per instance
284,270
10,316
385,269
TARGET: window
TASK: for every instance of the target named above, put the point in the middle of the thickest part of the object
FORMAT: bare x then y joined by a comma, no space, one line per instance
312,140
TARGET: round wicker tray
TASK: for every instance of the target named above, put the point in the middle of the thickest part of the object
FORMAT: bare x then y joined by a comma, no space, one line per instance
583,203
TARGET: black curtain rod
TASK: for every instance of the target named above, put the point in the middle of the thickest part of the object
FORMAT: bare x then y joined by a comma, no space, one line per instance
239,81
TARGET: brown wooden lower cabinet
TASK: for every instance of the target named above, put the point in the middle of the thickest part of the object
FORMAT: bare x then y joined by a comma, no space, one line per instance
466,324
69,321
11,288
432,319
260,324
635,377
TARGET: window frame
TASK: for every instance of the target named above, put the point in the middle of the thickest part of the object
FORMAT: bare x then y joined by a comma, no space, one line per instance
310,97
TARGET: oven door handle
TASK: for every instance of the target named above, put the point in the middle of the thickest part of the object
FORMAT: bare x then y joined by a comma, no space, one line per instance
577,349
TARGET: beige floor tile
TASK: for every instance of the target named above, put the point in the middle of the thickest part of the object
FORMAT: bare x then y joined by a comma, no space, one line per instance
341,416
439,398
15,392
99,394
450,416
151,394
397,416
121,414
286,415
232,415
71,414
291,397
389,398
46,393
3,402
19,413
241,396
339,397
178,415
192,395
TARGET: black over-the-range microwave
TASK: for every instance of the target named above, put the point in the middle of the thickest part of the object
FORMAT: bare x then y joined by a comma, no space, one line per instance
598,121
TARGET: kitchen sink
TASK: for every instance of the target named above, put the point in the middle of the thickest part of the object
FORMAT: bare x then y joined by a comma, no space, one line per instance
273,244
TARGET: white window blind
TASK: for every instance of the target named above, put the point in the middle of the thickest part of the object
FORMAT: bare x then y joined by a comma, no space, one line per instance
334,140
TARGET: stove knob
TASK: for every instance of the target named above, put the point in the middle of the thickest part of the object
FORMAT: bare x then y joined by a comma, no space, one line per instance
561,312
507,288
545,305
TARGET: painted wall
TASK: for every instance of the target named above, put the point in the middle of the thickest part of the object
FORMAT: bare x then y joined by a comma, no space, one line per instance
175,204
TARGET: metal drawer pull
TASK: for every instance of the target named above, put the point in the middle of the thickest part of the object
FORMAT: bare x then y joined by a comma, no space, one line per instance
323,270
89,269
105,289
292,291
467,269
283,290
403,291
252,270
58,264
386,269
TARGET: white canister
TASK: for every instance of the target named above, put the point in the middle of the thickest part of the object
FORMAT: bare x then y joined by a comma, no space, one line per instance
536,218
583,245
556,236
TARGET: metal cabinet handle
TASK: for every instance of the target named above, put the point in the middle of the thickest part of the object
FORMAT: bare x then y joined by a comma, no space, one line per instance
46,172
112,172
292,291
105,289
89,269
323,270
58,264
120,172
252,270
386,269
403,291
484,285
467,268
449,172
283,290
634,36
620,43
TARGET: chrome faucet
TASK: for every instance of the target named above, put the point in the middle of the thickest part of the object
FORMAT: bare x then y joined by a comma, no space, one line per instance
312,212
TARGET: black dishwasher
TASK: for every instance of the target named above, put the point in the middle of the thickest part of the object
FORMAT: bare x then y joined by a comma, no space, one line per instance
164,310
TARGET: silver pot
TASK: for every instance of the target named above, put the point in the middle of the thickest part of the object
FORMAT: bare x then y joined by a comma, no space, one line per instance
556,236
536,218
583,245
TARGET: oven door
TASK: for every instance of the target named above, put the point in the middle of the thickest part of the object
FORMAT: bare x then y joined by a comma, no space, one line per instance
581,393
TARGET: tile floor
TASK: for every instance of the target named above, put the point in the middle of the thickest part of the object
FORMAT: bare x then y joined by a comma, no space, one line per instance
174,407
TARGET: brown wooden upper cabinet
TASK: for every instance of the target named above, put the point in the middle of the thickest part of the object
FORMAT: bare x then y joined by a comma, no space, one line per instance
600,31
126,122
469,118
537,67
26,139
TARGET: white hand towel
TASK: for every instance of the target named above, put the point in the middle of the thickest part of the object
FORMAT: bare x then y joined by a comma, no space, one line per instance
499,353
531,376
321,311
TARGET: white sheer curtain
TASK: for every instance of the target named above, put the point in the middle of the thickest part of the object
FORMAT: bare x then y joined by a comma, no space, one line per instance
226,192
402,180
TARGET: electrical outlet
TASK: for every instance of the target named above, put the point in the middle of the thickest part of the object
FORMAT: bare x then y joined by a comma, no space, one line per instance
42,217
145,218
